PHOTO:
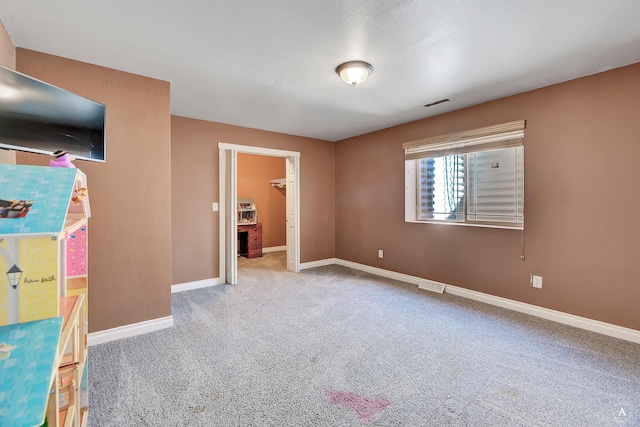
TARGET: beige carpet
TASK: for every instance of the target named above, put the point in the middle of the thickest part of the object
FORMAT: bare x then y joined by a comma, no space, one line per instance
336,347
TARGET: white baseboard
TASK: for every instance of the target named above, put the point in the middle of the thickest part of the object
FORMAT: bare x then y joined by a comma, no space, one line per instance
546,313
319,263
188,286
274,249
597,326
127,331
381,272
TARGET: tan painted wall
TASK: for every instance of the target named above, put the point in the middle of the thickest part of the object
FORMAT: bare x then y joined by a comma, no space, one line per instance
254,174
130,194
8,60
582,200
194,162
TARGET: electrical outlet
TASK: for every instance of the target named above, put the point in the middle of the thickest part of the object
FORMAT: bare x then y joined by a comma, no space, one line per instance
536,281
380,253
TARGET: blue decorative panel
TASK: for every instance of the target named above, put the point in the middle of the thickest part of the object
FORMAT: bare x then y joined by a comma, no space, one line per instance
27,355
47,190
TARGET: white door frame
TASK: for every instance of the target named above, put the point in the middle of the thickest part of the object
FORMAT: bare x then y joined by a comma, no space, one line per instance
228,202
293,209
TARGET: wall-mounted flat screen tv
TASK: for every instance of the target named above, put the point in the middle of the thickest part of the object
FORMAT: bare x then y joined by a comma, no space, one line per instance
41,118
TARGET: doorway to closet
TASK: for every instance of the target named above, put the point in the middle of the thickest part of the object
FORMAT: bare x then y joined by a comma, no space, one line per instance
287,182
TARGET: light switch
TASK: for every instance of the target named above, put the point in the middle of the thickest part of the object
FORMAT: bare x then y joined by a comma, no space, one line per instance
214,206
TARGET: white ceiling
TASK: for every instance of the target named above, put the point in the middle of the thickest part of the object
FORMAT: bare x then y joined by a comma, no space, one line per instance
270,64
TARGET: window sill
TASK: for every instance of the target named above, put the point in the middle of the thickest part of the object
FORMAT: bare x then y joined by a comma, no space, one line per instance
470,224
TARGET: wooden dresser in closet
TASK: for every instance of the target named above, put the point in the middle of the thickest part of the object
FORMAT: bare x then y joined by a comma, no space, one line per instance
250,240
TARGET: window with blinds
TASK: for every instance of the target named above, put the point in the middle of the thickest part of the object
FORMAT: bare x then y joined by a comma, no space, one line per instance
474,177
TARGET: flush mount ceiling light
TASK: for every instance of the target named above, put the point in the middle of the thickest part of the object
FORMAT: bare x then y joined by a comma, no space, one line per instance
354,72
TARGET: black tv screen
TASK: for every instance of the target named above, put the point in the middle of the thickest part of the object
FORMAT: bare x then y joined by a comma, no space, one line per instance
41,118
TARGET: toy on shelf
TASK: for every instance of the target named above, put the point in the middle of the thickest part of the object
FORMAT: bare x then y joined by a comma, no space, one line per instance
62,160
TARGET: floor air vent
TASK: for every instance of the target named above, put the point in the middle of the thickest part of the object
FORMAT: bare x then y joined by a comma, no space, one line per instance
431,286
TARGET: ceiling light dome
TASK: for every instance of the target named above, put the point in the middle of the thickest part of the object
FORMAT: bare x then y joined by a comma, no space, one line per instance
354,72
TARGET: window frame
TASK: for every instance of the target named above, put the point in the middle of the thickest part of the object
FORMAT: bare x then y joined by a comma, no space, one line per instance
505,135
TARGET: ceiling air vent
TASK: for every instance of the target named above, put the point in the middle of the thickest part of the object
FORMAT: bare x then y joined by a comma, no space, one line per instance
437,102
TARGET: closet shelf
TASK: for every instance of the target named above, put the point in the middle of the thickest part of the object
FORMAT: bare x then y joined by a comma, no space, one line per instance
279,183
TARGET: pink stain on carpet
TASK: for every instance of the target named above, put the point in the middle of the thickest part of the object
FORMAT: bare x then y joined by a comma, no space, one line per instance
364,408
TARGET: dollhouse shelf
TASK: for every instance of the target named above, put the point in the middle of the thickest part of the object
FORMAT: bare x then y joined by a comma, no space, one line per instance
72,356
29,369
74,223
38,363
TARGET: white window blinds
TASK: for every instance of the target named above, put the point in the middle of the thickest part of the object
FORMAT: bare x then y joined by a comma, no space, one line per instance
508,134
495,182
